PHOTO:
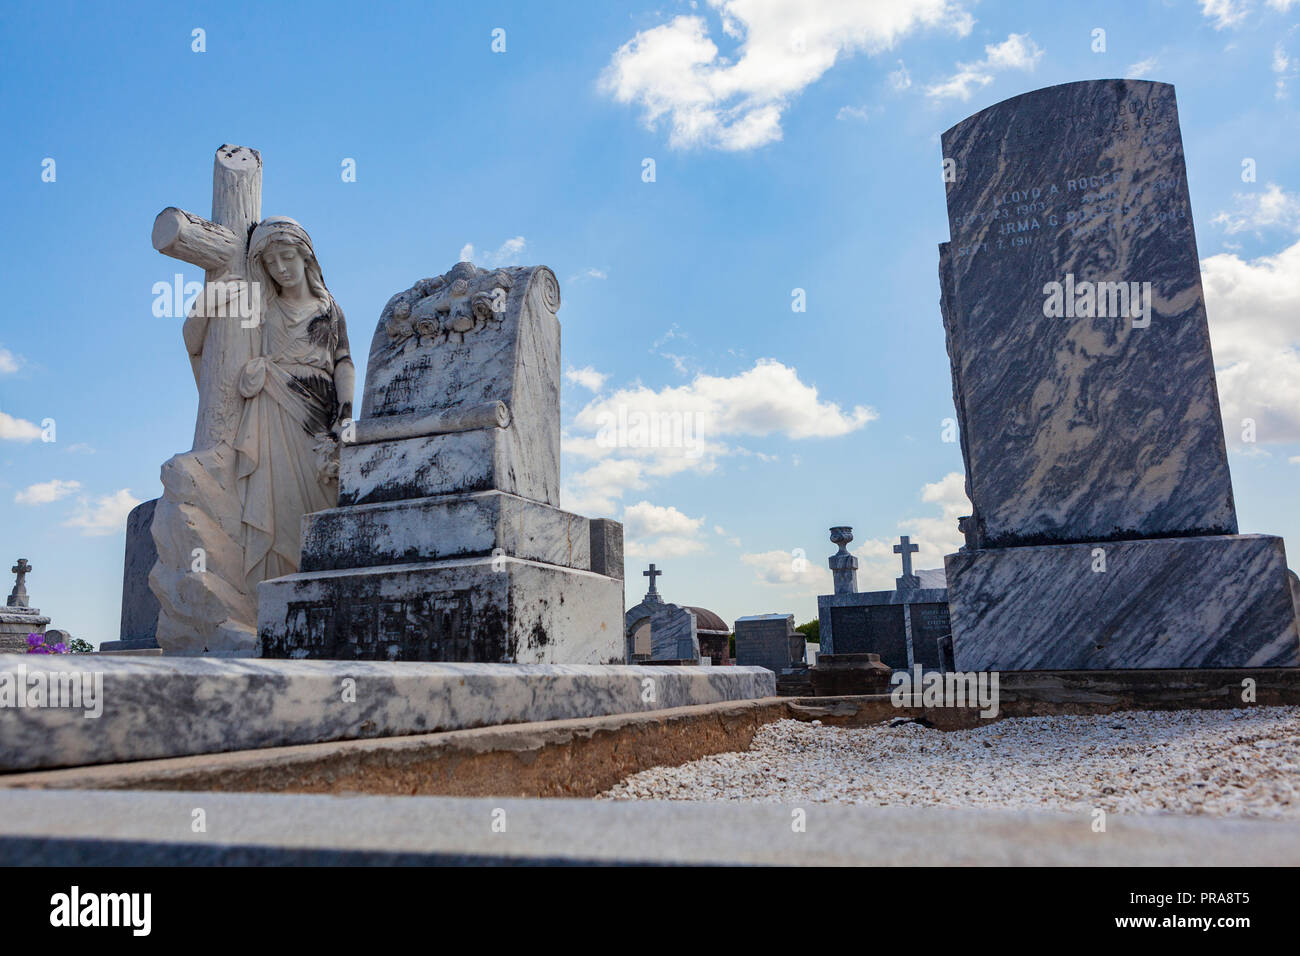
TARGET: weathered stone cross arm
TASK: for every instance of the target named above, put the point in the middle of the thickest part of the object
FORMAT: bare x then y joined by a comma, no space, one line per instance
193,239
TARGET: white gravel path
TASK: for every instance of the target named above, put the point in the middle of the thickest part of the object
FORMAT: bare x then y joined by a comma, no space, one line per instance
1215,762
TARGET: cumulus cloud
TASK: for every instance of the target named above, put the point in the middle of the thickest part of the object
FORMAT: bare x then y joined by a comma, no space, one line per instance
734,101
104,515
587,377
9,362
508,254
1016,52
637,433
1225,13
1274,208
42,493
18,429
1252,307
656,531
1141,69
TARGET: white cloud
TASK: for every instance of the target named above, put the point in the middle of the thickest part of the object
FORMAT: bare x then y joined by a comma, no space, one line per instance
900,79
1142,68
1252,307
934,536
586,274
1016,52
508,254
656,531
1224,13
42,493
587,377
792,572
9,362
18,429
1272,208
854,112
637,433
105,515
676,73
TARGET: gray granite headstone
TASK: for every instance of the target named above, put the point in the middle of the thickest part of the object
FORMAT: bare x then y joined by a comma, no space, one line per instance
139,626
769,640
1079,428
1104,528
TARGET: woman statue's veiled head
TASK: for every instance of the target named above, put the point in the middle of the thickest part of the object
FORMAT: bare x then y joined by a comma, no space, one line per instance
280,255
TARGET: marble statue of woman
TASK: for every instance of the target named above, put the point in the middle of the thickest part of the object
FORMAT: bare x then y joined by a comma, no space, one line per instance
297,394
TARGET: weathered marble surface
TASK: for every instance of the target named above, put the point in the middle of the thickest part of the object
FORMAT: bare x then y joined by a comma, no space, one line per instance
16,623
451,545
474,609
1215,601
1080,429
168,707
452,526
467,338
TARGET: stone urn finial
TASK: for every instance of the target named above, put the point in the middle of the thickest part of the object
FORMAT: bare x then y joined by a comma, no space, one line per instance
844,566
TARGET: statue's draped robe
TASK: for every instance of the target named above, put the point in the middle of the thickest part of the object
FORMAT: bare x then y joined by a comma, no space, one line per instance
290,406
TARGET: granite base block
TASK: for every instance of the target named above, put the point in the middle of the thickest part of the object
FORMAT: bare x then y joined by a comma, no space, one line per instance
496,609
1213,601
173,706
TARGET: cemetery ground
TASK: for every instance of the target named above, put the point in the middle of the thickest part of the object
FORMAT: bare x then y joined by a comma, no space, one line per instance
1212,762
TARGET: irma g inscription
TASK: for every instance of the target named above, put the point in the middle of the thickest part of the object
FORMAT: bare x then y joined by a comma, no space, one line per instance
424,629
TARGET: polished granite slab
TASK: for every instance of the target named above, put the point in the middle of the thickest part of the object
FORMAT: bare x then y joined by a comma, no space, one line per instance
1216,601
168,707
1080,427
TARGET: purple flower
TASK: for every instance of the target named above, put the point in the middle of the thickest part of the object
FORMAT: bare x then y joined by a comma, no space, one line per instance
35,640
42,649
60,648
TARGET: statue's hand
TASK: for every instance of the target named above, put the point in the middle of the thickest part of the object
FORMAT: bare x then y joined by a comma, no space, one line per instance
344,417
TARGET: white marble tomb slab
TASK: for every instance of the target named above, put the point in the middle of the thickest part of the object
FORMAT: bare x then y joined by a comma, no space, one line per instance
171,707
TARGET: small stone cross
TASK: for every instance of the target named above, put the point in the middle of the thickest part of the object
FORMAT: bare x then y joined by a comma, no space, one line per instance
18,596
651,574
906,549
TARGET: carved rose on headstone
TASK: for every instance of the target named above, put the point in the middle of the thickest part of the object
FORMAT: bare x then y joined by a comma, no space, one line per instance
447,308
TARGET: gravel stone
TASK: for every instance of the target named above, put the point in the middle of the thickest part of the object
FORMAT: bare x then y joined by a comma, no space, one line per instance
1243,762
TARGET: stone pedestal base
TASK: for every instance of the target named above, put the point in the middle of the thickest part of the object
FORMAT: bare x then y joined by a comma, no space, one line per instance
840,674
1213,601
15,624
485,609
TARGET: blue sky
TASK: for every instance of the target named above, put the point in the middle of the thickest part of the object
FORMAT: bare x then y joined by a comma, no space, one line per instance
795,146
